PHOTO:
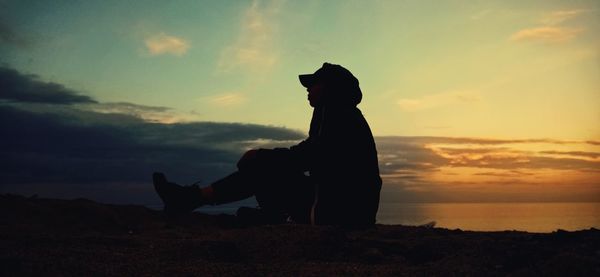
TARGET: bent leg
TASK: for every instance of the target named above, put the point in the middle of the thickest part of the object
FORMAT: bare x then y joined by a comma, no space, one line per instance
280,193
288,194
267,174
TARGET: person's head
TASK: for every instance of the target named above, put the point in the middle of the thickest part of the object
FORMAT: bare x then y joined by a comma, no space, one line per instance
331,84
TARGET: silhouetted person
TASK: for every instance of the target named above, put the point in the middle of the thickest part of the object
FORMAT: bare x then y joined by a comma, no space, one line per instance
332,177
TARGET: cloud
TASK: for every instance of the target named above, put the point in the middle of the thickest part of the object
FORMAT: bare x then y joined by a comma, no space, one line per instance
593,142
127,108
147,113
91,143
20,87
546,34
550,31
114,147
161,43
508,155
254,47
505,173
474,169
558,17
35,95
437,100
422,140
228,99
82,150
64,148
591,156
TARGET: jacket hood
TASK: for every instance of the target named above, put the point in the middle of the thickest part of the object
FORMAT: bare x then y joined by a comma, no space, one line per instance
342,88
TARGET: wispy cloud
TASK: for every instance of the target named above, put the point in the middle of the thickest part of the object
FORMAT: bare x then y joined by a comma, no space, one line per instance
147,113
551,30
558,17
582,155
254,47
546,34
437,100
227,99
161,43
472,169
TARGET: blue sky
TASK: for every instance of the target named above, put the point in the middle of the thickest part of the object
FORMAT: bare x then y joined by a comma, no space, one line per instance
426,67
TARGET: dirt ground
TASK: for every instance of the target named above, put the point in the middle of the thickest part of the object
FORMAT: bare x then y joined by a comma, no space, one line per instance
80,237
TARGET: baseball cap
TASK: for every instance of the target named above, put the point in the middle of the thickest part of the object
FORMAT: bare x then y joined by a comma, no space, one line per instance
330,74
343,85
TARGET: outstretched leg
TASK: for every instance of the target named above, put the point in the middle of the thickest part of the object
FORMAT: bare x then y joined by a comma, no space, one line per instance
279,190
279,194
177,199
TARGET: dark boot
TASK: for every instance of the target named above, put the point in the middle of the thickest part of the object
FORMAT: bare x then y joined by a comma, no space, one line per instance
178,200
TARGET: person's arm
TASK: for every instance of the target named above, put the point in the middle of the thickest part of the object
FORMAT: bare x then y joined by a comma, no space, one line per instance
296,157
302,154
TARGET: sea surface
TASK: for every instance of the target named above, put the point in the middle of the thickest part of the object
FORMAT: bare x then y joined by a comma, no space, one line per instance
530,217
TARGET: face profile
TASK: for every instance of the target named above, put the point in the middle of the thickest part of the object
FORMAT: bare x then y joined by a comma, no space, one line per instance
332,85
315,94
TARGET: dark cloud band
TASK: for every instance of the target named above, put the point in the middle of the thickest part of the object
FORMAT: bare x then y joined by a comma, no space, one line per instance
43,147
20,87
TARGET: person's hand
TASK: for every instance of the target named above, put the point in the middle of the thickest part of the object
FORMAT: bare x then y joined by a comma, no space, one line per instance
248,158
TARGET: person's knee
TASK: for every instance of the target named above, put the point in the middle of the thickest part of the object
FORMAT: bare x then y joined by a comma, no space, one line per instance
263,161
249,158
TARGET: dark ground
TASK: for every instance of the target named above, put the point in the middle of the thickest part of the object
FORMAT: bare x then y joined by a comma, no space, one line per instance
83,238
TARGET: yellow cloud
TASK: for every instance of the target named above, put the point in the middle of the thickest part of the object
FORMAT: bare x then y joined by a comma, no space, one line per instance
558,17
551,31
491,169
546,34
162,43
227,99
147,113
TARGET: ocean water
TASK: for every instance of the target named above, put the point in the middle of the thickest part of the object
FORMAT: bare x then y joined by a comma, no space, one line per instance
531,217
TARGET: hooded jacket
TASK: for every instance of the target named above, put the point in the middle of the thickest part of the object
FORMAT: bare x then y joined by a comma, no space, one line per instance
339,154
341,157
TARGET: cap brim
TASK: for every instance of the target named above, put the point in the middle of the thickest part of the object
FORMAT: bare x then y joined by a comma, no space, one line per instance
307,80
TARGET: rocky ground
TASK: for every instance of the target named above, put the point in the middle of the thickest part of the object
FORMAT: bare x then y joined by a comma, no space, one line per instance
80,237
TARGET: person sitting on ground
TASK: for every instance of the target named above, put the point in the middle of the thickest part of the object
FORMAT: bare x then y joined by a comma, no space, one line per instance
330,178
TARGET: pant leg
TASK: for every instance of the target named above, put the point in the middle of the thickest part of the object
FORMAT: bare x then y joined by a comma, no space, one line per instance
278,192
289,194
279,188
254,175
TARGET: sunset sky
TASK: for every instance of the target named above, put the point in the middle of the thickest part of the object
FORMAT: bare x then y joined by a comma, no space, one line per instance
469,100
